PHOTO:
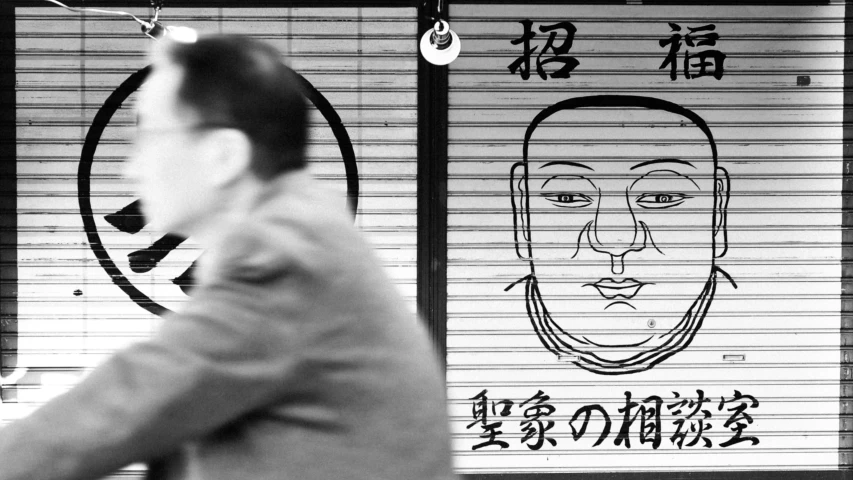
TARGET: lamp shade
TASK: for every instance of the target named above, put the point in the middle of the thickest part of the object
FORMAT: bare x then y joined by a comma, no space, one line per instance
440,45
182,34
157,30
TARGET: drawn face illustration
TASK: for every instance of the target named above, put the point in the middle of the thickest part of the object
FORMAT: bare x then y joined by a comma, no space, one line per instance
621,213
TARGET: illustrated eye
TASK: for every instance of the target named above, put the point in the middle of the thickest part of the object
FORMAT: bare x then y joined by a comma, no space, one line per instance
661,200
568,200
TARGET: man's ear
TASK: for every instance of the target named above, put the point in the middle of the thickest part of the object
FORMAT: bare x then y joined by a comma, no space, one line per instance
227,155
520,214
721,204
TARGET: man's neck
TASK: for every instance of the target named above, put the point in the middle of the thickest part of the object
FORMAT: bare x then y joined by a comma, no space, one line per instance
233,204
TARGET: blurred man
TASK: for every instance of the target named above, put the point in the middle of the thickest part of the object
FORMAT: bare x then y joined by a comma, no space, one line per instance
295,357
622,225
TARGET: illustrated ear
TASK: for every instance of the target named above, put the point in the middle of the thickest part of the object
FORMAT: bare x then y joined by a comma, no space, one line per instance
227,155
721,204
520,214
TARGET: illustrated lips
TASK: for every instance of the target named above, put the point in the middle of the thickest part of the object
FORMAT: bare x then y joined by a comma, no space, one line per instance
610,289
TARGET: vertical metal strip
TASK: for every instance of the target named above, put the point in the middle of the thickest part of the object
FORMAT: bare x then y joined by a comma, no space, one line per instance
432,186
8,201
845,427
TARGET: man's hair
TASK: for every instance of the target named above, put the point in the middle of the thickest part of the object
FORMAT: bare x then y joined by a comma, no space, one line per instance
234,81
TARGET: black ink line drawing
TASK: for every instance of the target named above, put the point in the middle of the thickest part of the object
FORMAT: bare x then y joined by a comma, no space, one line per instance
130,219
695,37
648,419
613,232
558,53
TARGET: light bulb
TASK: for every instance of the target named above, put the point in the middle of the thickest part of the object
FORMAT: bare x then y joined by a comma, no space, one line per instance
157,30
182,34
440,45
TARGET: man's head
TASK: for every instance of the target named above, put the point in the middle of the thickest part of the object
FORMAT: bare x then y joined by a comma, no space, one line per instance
620,208
214,113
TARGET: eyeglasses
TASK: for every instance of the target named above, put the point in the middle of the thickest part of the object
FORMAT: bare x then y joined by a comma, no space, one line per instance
142,133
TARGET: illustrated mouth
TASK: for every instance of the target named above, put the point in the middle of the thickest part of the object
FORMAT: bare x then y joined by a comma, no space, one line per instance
611,289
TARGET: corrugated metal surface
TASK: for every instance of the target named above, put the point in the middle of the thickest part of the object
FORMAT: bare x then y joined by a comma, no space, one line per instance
766,355
70,313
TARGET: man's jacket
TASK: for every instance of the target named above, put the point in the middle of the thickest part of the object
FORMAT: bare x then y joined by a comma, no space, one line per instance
295,358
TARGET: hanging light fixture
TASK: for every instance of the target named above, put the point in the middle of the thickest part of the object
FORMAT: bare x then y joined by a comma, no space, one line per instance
151,28
440,45
157,30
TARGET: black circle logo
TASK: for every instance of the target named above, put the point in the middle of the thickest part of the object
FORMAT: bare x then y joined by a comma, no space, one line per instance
169,241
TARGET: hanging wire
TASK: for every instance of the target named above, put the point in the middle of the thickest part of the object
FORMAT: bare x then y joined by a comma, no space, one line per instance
109,12
157,5
436,16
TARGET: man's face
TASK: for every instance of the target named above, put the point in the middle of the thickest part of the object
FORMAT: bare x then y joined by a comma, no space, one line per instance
167,160
621,224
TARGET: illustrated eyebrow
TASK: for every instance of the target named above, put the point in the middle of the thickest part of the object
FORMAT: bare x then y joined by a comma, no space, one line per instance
663,160
568,164
668,171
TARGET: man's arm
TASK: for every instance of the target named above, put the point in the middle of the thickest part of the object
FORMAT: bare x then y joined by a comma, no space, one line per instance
206,367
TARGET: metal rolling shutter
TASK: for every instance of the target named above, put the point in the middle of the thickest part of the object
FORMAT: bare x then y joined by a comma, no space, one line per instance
70,314
767,354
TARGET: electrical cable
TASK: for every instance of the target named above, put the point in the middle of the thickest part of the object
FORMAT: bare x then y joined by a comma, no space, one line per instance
145,24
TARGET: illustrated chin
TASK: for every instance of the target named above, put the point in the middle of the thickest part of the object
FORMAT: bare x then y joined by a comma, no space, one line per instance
646,349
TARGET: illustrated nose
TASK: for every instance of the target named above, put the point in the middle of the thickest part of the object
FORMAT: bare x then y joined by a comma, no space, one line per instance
615,230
